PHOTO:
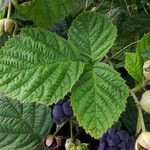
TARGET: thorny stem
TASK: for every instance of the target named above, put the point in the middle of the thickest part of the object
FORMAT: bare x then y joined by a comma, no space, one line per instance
139,110
9,10
123,49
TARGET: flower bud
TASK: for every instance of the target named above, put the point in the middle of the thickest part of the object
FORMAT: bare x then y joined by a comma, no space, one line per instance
145,101
143,141
49,140
2,22
69,145
59,140
82,147
7,26
146,69
10,26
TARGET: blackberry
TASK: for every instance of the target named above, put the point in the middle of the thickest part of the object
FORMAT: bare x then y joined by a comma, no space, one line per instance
115,139
61,111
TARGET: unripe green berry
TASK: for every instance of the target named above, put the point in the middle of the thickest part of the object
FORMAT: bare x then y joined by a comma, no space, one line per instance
7,26
73,147
2,22
145,101
143,141
84,146
69,145
10,26
146,69
79,147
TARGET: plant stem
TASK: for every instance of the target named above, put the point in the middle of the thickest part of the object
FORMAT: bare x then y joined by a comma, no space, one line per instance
45,148
139,110
127,8
86,5
99,5
59,128
123,49
9,10
71,133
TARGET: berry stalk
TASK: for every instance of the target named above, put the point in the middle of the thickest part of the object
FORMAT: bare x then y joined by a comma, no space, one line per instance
139,110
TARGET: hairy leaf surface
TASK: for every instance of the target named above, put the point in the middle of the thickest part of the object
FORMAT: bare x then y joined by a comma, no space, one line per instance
93,34
98,98
38,66
133,64
134,61
22,126
45,13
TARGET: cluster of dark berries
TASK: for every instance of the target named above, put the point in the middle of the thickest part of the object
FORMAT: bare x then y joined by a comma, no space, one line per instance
60,29
115,139
62,111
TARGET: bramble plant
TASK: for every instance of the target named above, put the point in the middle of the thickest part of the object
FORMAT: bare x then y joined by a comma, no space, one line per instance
59,64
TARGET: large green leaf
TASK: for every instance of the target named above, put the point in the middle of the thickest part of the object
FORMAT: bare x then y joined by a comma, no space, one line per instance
23,126
45,13
134,61
98,98
38,66
93,34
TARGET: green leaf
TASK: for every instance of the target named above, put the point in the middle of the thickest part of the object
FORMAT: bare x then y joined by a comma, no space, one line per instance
146,53
38,66
134,61
137,24
23,126
130,116
45,13
143,44
133,64
98,98
93,34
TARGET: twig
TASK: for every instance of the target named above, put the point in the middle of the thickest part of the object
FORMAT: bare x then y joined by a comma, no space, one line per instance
9,10
99,5
71,133
86,5
127,8
123,49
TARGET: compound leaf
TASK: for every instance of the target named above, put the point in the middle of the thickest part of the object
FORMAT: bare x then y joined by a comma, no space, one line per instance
23,126
38,66
93,34
98,98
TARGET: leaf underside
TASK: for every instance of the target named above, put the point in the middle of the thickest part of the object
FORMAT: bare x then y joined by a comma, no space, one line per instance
22,126
38,66
98,98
